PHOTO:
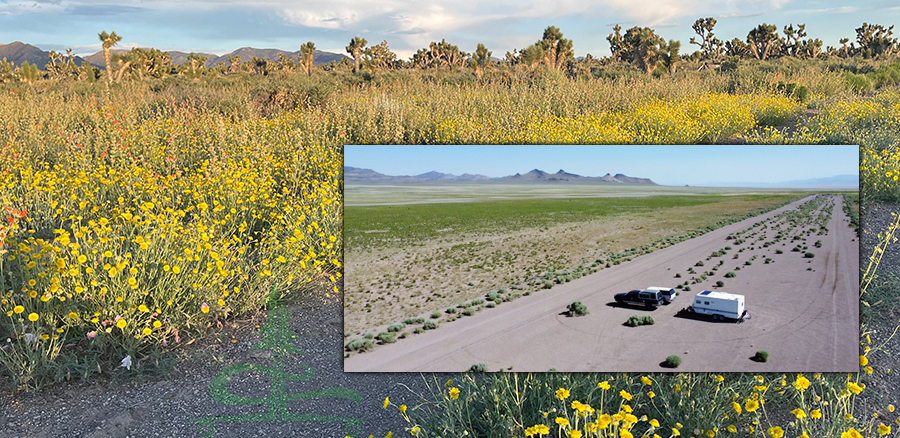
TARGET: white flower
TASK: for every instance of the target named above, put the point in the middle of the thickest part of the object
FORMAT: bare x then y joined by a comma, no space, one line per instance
127,362
30,337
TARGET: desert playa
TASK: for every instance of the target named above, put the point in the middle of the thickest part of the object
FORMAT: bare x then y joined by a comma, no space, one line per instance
796,265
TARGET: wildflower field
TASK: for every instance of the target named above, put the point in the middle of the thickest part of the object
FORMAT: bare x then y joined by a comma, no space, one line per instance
138,216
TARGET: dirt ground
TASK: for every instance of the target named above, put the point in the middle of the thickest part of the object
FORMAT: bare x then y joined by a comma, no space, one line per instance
389,285
169,406
804,312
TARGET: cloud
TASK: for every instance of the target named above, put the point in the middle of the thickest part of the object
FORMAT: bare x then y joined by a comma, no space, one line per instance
98,10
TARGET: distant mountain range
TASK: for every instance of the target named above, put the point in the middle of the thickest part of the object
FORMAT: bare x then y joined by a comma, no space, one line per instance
831,182
18,53
369,176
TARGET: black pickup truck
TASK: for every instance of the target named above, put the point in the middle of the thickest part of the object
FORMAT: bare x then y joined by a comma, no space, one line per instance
650,299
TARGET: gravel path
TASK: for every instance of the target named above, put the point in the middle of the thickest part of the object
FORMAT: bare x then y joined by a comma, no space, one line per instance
166,408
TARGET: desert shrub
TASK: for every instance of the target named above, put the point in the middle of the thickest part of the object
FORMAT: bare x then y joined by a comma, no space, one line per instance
369,335
477,302
492,296
818,244
687,288
673,361
435,314
577,309
635,321
857,84
387,337
778,251
396,327
730,274
809,255
720,283
678,275
451,310
761,356
479,367
411,321
699,263
430,325
419,330
490,305
360,344
748,263
468,311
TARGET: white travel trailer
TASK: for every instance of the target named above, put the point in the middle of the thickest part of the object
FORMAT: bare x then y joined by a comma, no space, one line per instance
719,305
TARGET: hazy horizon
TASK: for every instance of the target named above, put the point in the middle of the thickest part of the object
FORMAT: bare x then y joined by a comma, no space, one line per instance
675,165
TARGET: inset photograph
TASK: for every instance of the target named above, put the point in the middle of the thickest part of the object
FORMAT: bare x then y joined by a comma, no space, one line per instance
632,258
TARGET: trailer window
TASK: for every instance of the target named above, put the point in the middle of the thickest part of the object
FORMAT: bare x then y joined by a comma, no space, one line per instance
706,302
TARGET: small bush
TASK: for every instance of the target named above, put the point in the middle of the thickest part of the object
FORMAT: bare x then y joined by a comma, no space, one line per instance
778,251
720,283
730,274
396,327
387,337
748,263
577,309
699,263
673,361
451,310
687,288
479,367
761,356
635,321
490,305
435,315
678,275
492,296
360,344
468,311
411,321
430,325
809,255
370,335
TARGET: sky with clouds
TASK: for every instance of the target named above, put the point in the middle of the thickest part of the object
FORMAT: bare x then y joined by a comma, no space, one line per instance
221,26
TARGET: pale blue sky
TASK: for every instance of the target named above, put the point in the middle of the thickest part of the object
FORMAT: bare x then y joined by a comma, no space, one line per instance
222,26
667,165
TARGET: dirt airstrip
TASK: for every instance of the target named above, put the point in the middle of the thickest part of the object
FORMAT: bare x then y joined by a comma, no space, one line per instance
804,311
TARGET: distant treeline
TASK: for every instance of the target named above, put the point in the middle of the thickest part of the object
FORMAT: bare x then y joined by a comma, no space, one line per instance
639,49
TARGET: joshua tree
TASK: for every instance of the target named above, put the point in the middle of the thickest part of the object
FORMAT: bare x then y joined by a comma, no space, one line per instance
875,40
307,51
557,50
669,56
380,56
355,49
794,39
29,72
710,46
480,60
761,40
109,40
643,47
